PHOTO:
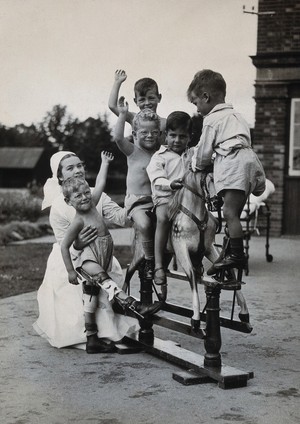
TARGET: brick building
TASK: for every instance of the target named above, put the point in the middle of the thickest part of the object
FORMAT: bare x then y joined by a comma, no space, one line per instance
277,116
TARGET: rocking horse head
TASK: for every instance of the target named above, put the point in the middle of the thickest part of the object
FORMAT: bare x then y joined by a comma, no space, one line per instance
192,183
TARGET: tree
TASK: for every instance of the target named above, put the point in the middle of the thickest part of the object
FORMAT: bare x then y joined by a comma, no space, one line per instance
89,139
58,126
60,131
22,136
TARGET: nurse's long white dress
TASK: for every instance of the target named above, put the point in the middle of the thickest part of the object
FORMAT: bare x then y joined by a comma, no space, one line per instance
61,316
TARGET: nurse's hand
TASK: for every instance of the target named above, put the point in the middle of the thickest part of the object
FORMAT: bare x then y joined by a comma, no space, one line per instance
72,275
85,237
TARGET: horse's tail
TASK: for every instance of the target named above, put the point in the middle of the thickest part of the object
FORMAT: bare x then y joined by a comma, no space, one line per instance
174,204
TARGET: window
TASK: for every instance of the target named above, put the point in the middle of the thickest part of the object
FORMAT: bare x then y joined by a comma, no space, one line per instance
294,158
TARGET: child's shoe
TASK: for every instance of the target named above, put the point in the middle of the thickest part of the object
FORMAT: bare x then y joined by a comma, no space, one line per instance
235,258
96,345
145,310
213,270
231,261
136,308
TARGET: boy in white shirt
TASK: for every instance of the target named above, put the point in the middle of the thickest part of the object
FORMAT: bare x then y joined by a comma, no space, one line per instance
165,170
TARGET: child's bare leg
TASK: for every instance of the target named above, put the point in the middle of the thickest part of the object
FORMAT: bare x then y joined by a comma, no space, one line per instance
114,293
144,225
101,277
234,201
90,301
160,242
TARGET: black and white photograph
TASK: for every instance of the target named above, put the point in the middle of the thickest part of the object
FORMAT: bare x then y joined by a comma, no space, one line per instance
149,211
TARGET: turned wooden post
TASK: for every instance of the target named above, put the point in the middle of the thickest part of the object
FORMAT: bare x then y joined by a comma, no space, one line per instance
146,333
212,342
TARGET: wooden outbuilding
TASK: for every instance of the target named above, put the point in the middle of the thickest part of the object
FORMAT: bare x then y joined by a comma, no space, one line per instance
22,166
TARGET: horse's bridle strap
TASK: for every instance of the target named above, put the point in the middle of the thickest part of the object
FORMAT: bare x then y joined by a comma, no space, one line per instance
200,224
185,185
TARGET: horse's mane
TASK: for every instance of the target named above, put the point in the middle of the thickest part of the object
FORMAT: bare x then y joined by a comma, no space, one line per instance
174,204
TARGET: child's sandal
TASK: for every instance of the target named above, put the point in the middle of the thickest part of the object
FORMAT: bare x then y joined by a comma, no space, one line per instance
160,276
244,318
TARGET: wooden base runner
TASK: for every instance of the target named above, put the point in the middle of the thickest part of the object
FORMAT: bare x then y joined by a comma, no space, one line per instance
196,372
199,369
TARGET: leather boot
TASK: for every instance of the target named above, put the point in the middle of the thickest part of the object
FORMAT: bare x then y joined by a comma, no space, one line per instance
96,345
231,261
146,310
133,307
213,270
236,257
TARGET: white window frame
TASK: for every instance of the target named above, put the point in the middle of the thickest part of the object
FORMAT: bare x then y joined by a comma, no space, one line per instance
292,171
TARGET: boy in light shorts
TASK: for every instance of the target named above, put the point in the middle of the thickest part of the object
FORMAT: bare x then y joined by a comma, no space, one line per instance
237,169
138,200
94,261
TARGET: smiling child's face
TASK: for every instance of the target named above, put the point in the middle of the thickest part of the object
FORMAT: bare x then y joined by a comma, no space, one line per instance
148,101
81,199
147,135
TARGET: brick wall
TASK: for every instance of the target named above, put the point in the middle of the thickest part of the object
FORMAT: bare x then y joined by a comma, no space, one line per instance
281,32
277,62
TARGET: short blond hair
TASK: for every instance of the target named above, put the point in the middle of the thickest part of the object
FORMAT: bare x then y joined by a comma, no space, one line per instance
145,115
71,185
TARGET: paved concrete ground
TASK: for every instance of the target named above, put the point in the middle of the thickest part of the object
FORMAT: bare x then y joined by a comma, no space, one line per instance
44,385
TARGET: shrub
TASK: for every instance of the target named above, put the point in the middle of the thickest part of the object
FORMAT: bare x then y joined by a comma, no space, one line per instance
16,231
19,205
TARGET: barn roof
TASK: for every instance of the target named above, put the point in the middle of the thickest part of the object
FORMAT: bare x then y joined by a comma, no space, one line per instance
20,157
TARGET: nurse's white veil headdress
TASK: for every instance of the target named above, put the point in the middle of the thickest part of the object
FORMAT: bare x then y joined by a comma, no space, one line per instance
52,188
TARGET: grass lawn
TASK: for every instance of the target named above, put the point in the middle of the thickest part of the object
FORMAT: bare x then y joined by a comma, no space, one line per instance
22,267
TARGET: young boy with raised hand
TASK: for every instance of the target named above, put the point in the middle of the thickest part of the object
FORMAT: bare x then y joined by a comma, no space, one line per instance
146,96
165,171
226,142
94,261
138,200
